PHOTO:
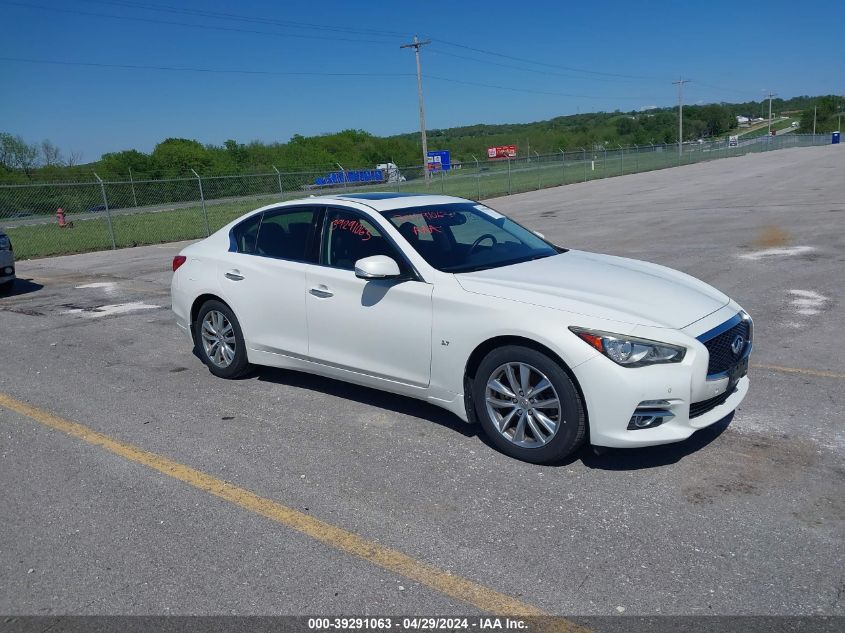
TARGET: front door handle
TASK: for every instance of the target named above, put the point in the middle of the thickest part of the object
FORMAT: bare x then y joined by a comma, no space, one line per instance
234,275
321,291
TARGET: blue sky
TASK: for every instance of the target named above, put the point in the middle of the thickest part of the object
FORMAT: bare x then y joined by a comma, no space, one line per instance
547,59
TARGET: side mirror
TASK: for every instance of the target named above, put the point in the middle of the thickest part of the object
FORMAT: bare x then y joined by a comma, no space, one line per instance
376,267
538,234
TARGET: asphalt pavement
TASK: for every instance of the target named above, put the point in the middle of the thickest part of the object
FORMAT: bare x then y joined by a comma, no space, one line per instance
746,517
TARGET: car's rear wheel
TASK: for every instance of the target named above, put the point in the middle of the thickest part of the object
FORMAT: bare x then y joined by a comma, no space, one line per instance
219,340
528,405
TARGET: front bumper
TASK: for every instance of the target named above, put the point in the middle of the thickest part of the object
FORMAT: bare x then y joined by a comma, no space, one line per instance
613,393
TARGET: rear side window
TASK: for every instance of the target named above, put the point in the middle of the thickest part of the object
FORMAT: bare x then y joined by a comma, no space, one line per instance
286,234
244,235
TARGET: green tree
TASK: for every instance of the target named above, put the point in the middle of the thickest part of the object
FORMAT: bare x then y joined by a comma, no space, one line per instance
17,154
118,164
178,156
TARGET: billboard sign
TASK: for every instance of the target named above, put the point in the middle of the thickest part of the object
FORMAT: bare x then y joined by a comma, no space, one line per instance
439,160
501,151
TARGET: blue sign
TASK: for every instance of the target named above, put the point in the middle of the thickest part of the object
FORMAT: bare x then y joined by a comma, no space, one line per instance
439,160
359,176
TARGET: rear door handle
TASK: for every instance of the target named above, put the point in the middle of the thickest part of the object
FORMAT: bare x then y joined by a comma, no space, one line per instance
321,291
234,275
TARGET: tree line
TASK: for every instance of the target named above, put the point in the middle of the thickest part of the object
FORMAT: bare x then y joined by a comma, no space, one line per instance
21,161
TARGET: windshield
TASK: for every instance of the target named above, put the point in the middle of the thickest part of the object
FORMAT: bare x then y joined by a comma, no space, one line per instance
465,237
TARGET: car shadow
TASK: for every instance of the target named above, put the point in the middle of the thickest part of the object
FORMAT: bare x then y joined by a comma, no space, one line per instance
365,395
653,456
602,459
21,287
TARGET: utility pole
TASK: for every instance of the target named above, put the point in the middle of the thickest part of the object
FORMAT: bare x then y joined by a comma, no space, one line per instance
680,83
769,96
416,46
814,120
132,183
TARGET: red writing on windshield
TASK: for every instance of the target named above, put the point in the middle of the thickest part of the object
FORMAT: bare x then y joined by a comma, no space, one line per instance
427,230
428,215
353,226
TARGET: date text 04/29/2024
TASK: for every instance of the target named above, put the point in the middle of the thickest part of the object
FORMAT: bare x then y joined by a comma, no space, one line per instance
416,623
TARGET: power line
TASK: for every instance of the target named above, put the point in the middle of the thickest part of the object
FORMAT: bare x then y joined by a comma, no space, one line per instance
240,71
526,90
523,68
722,88
189,25
538,63
201,70
290,24
195,69
246,18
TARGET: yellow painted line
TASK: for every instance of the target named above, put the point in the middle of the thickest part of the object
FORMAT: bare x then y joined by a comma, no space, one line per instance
795,370
474,594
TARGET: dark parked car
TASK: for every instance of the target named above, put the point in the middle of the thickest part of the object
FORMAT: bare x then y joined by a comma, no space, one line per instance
7,263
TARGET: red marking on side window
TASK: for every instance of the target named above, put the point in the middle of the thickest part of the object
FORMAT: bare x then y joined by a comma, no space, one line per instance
353,226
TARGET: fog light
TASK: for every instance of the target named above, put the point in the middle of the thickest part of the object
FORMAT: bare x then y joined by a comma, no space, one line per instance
649,414
644,421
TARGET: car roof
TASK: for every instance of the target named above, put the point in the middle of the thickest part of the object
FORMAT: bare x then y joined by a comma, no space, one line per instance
383,201
379,201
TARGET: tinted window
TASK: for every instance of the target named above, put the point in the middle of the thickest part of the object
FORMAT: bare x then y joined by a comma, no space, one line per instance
348,237
463,237
244,234
286,233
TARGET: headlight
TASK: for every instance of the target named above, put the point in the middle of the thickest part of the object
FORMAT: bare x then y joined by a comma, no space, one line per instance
5,243
630,351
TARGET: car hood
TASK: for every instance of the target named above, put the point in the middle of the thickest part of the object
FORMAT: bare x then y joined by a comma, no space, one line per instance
603,286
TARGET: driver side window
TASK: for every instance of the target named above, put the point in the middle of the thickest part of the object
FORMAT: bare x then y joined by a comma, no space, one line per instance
348,237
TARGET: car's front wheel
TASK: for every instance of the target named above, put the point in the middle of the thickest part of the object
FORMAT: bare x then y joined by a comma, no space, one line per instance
528,405
219,340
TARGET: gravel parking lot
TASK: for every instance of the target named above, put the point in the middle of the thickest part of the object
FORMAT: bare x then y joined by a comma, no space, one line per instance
746,517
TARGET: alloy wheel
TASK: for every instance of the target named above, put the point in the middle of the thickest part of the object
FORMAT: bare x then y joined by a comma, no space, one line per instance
523,405
218,338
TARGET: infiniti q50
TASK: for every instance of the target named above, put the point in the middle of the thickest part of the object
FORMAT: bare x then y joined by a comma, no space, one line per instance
446,300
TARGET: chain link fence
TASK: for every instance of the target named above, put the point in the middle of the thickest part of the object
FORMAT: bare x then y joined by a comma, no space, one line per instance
102,215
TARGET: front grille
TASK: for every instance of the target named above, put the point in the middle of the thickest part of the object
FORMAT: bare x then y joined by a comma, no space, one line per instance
721,356
700,408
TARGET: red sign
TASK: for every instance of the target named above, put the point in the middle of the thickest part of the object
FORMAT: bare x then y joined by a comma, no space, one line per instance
501,151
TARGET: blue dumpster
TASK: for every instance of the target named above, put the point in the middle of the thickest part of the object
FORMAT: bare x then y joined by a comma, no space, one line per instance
834,138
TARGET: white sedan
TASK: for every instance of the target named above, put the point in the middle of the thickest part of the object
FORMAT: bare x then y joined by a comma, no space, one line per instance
446,300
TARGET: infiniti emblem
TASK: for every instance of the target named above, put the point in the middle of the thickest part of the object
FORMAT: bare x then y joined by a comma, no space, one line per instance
737,344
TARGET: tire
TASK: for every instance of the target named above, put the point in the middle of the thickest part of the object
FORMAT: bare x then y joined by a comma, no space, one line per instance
550,432
228,358
6,286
